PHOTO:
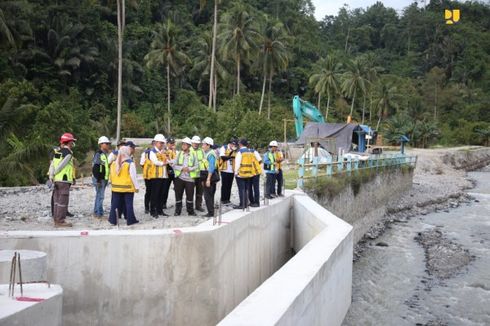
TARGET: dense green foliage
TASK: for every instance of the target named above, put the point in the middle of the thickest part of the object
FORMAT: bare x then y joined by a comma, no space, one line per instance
407,73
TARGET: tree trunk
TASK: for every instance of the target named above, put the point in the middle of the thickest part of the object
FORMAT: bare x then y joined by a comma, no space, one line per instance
215,93
379,119
212,84
238,74
435,102
120,31
269,96
352,105
319,101
363,108
347,40
168,99
263,88
370,107
328,105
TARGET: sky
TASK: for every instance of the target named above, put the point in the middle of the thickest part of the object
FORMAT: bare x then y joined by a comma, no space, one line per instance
331,7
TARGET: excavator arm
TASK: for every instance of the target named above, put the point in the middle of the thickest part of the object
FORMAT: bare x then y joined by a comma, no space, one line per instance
304,109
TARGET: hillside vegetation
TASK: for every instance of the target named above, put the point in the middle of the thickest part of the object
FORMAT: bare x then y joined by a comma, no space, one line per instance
402,73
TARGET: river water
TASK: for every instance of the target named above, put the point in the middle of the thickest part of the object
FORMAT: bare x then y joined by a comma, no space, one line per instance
394,285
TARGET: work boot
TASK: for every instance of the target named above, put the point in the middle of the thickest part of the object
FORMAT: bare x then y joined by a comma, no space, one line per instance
200,209
62,224
190,210
178,209
68,214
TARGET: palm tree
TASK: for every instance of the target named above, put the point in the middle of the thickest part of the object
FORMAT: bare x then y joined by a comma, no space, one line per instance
164,52
274,55
212,75
386,101
202,65
354,81
238,37
327,80
121,25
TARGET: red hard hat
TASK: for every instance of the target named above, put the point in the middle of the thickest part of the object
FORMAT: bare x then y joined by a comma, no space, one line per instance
67,137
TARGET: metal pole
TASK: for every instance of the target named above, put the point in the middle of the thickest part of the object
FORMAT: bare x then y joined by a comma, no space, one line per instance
117,218
219,212
20,278
266,200
214,214
13,278
11,274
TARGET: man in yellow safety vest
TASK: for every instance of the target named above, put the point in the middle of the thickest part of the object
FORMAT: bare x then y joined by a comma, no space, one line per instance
186,170
62,173
196,143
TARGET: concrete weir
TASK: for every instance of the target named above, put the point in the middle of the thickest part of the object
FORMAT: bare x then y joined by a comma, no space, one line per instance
243,270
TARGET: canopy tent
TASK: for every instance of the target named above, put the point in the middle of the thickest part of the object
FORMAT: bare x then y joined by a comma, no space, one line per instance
331,136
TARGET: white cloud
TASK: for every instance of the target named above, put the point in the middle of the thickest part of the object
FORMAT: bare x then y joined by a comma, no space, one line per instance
331,7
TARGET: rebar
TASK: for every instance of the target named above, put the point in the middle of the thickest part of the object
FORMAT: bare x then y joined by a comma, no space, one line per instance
20,277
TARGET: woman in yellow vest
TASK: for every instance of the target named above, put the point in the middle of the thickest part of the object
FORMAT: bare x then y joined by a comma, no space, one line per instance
124,185
227,155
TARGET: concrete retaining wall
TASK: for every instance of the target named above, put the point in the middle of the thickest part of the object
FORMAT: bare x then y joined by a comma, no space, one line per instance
314,287
191,276
368,204
197,275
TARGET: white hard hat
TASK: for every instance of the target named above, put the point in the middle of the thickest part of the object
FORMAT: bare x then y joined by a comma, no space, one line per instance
187,140
196,140
160,138
104,140
273,144
208,141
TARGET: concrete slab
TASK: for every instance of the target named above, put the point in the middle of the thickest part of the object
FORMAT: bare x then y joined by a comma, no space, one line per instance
44,309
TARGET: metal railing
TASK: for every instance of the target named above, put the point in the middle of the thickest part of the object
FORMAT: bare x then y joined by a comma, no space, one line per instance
346,165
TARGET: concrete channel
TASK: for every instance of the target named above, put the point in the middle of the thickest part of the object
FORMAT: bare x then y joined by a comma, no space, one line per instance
292,252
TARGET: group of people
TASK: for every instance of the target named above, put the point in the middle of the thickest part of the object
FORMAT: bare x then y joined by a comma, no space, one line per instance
195,170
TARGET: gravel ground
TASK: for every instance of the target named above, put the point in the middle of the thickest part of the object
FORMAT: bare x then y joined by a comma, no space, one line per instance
28,208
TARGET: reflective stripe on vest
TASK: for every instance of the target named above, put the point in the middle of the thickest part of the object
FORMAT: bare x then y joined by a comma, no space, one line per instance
206,161
180,161
272,160
247,166
105,161
122,182
67,173
200,157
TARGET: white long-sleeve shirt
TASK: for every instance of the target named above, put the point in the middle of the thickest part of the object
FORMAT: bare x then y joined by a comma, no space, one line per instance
133,175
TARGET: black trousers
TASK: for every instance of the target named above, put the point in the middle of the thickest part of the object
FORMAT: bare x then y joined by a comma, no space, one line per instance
209,196
280,182
147,194
244,185
166,189
180,186
122,201
270,183
226,185
199,193
156,196
254,190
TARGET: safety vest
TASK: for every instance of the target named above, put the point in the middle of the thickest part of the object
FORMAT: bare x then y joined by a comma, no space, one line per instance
104,164
200,157
122,182
155,171
277,156
249,166
223,165
206,162
147,164
180,161
272,160
68,172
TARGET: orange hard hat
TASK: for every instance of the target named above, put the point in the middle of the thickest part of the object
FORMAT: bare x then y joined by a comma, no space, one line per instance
67,137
